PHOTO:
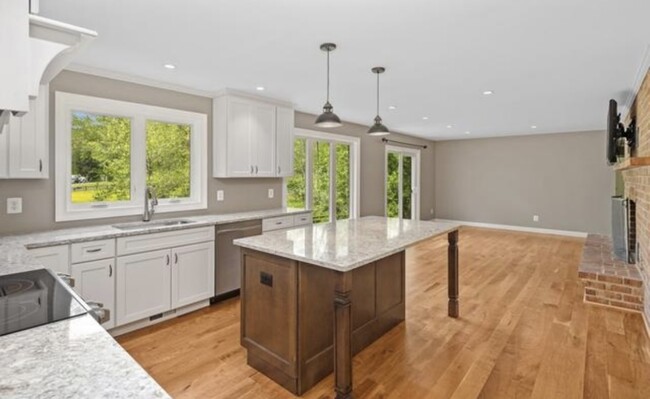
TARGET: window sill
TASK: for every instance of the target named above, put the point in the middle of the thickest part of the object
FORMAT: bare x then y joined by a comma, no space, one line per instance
105,213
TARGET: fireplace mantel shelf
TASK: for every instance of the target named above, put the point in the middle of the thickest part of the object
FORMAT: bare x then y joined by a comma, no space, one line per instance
631,163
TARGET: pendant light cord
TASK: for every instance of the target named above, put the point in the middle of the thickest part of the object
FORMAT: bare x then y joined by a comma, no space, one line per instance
377,94
328,75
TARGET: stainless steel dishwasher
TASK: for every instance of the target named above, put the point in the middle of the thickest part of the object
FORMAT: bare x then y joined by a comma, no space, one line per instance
227,258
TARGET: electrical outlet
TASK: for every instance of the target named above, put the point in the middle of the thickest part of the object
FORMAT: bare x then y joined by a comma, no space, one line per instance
14,205
535,218
271,193
219,195
431,211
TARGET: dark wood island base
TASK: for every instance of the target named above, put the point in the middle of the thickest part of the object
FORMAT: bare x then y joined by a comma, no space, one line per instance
295,336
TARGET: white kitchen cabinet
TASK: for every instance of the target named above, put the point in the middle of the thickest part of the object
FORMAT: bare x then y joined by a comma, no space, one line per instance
24,142
56,258
249,136
284,140
95,281
143,286
192,274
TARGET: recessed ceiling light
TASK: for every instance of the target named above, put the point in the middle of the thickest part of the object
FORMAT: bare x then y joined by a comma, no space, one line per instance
467,132
425,118
170,66
259,88
449,126
533,127
488,92
392,107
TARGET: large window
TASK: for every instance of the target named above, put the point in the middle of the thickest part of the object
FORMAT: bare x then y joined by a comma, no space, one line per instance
325,177
109,151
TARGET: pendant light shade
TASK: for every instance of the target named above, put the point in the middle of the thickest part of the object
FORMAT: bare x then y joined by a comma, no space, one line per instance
328,118
378,128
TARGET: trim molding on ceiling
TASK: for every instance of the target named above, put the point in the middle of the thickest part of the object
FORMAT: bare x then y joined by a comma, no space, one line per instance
638,81
104,73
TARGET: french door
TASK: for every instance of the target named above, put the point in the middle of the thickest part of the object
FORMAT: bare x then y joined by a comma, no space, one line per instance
402,183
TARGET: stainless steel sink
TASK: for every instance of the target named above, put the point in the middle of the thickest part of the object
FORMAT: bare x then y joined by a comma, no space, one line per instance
158,223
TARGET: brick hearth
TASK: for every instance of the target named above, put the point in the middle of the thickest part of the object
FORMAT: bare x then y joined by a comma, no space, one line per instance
608,280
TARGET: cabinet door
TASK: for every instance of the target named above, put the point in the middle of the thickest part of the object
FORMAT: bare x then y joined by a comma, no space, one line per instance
95,281
240,130
143,286
4,151
28,140
284,142
55,258
263,144
192,274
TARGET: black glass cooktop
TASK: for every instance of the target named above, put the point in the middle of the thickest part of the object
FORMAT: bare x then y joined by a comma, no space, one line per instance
34,298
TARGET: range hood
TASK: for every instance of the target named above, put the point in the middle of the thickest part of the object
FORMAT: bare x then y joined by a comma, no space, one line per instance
35,50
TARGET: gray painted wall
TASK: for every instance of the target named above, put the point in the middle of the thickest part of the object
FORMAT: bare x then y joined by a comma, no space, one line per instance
240,194
563,178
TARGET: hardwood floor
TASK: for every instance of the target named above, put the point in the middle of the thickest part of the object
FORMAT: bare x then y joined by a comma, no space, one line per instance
524,332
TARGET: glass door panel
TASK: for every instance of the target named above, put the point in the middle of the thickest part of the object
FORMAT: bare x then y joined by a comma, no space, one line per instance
321,181
392,184
342,166
407,187
297,184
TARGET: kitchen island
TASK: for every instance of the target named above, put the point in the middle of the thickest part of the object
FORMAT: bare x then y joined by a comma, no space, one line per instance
314,296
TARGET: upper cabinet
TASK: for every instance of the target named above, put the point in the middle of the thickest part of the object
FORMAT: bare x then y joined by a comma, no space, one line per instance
24,142
34,50
253,137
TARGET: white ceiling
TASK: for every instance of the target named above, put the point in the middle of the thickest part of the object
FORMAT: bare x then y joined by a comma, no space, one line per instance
551,63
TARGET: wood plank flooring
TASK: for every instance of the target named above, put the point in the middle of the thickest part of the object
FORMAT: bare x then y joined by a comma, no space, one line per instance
524,332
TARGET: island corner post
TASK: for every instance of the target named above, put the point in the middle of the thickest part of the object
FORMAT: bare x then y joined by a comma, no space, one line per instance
343,318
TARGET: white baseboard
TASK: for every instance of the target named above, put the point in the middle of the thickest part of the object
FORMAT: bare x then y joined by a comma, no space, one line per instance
517,228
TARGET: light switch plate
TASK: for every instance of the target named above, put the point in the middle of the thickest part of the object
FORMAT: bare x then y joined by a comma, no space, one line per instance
535,218
14,205
271,193
219,195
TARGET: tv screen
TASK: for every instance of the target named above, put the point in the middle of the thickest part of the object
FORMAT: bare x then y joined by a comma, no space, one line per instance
613,131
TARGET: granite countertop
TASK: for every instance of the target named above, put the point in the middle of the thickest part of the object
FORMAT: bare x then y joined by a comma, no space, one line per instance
77,358
81,234
346,244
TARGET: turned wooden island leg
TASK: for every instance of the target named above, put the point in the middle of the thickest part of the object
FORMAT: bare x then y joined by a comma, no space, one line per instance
343,336
452,270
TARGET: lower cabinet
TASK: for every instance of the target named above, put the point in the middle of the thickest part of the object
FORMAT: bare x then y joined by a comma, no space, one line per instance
154,282
192,274
95,281
143,285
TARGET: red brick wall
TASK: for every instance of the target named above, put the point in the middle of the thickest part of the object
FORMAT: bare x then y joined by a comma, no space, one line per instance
637,184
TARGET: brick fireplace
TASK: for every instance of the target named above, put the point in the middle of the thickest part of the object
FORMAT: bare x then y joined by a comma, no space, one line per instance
637,188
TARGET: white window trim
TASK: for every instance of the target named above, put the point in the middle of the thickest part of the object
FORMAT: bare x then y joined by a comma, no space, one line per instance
415,184
66,103
355,167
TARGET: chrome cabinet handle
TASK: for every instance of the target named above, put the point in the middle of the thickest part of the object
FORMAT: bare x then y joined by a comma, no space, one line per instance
255,169
279,170
252,169
175,258
110,270
93,250
40,165
167,260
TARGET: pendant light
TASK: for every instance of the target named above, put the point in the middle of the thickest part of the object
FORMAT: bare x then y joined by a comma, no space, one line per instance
328,118
378,129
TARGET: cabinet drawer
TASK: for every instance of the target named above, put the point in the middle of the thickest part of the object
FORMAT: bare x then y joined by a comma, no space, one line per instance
166,240
278,223
55,258
301,220
92,250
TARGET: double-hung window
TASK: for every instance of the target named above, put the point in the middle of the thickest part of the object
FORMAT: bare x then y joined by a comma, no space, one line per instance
326,175
109,151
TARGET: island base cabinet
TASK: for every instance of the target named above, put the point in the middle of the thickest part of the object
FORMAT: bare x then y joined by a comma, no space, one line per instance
143,285
288,313
95,281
